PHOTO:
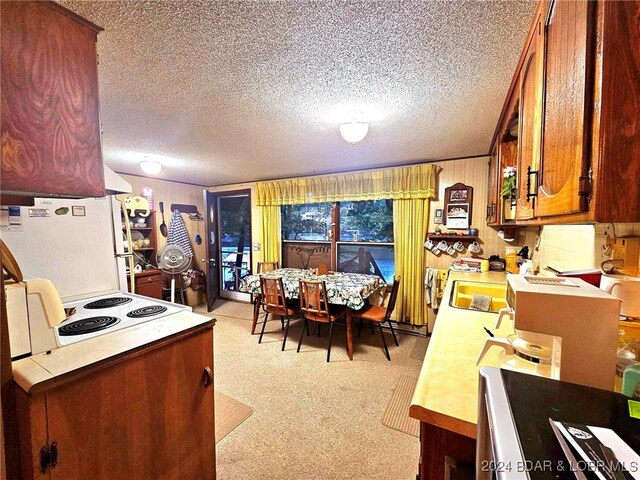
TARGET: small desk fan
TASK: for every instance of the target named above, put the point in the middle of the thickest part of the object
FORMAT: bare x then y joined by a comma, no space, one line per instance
174,260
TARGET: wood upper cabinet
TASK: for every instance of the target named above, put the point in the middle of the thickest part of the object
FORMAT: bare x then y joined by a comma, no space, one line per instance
579,91
49,108
529,126
149,417
616,134
563,172
492,193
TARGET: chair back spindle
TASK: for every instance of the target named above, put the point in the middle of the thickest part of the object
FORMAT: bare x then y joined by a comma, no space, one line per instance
392,298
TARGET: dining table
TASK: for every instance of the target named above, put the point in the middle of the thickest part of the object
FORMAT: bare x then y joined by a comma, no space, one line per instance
349,289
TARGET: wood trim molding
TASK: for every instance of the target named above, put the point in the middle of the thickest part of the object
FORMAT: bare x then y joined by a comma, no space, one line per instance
72,15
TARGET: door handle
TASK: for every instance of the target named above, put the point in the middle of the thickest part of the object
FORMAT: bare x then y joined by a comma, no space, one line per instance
207,375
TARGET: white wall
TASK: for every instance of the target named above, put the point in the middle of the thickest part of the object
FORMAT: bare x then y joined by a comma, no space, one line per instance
574,247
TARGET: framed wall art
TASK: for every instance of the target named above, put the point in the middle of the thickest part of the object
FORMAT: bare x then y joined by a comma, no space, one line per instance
458,203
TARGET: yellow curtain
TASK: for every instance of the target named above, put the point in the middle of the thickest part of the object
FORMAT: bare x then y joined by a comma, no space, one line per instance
416,181
410,224
410,188
271,236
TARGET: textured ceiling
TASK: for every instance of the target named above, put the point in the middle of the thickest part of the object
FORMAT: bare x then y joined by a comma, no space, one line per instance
224,92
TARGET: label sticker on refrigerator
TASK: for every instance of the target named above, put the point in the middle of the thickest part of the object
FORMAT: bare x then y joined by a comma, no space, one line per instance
10,219
39,212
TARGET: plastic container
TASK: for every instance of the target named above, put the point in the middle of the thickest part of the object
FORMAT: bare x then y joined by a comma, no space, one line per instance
631,380
512,266
591,276
484,266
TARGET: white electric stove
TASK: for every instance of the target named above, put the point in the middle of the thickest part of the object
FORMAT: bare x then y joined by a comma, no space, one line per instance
30,333
108,313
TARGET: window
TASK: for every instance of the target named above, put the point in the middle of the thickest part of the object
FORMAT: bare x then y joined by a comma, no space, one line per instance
310,221
365,242
366,238
366,221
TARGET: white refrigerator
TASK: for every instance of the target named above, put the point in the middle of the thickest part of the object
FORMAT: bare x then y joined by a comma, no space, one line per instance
73,243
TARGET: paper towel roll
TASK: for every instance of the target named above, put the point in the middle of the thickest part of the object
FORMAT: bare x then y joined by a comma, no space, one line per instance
50,298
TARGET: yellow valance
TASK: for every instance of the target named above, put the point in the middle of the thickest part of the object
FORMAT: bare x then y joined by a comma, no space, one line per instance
412,182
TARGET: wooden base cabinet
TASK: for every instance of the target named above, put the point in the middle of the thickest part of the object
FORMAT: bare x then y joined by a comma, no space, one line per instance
148,283
147,417
438,447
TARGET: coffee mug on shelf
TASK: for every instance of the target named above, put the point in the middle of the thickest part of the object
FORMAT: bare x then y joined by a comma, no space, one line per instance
443,246
428,244
435,250
475,247
458,246
451,250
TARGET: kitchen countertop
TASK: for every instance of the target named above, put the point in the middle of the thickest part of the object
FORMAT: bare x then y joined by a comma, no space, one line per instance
43,371
446,394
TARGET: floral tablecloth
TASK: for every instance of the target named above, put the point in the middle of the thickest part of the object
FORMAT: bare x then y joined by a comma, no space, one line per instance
350,289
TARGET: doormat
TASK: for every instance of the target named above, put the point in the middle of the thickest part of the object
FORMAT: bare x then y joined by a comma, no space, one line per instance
396,415
419,349
229,414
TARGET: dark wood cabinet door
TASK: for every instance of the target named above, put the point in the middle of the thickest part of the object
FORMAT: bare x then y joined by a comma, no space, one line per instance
148,418
171,414
617,144
530,122
49,108
492,192
88,421
564,158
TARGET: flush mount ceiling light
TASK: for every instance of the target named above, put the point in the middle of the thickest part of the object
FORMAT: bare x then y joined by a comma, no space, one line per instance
150,167
354,131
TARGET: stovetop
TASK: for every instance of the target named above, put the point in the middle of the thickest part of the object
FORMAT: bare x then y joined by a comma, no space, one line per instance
108,313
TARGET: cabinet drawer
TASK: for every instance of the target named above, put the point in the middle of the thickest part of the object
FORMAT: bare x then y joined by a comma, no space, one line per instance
149,284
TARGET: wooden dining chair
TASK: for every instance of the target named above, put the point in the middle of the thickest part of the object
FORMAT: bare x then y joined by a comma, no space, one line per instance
257,299
274,302
380,314
267,266
323,269
315,307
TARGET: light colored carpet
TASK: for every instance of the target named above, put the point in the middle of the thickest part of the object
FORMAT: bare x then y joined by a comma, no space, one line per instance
396,415
419,349
312,419
229,414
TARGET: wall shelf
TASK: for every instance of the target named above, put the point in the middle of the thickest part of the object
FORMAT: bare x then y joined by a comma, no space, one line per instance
448,238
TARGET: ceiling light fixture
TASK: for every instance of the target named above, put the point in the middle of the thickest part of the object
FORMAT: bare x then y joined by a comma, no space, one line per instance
354,131
150,167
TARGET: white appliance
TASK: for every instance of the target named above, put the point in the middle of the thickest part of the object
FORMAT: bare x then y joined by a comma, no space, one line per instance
627,289
514,438
72,242
17,318
580,319
31,334
76,244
